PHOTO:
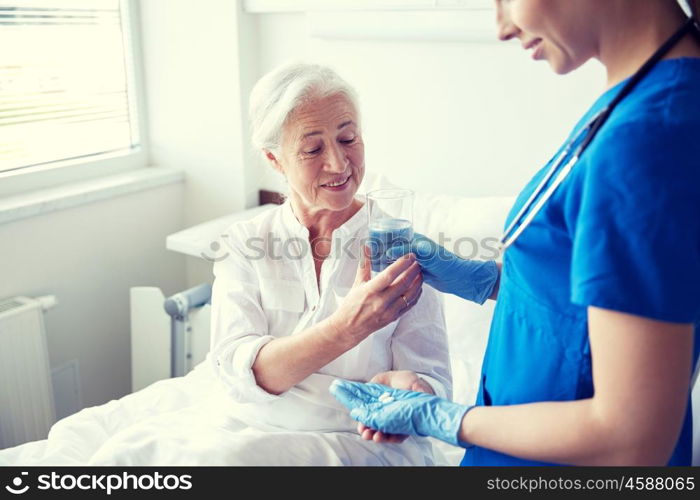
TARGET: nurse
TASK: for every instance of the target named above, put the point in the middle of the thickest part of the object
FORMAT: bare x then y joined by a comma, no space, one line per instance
595,332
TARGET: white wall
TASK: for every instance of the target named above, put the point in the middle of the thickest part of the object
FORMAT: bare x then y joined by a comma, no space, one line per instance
192,53
192,86
465,118
89,256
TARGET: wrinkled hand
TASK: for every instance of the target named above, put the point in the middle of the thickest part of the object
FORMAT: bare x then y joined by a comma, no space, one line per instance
397,379
373,303
407,412
470,279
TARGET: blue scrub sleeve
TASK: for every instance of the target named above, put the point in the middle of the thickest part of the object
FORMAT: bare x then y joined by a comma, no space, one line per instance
637,223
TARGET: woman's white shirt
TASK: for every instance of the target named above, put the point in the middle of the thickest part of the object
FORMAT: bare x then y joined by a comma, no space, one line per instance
266,288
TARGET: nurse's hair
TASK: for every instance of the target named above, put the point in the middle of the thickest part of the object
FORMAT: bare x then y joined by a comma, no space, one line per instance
281,91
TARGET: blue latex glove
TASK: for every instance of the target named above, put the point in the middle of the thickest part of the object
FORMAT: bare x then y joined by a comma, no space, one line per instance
412,413
470,279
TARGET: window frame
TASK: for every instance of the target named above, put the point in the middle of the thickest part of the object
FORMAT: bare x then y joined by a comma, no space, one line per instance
47,175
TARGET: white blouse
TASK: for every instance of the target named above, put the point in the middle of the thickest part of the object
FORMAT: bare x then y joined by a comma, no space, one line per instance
266,288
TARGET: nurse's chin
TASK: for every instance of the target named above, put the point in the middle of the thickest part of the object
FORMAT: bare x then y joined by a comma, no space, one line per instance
563,66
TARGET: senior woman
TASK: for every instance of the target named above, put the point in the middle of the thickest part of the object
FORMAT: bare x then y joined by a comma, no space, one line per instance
293,309
293,306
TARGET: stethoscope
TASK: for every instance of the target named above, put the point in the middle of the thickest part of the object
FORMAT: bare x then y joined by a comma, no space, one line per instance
583,138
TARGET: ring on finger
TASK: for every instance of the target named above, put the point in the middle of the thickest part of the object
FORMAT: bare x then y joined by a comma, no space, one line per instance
413,299
404,300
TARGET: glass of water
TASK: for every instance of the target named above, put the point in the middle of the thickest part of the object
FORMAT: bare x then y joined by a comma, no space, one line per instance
390,223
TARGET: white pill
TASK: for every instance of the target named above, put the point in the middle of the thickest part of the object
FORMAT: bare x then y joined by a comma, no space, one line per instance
386,398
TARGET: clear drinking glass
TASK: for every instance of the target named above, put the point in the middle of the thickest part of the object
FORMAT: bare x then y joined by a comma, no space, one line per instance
390,223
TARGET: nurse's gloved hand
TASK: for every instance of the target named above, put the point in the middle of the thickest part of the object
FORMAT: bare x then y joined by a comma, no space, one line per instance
470,279
396,379
395,411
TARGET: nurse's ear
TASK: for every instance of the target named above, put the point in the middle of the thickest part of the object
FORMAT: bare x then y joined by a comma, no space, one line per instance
270,156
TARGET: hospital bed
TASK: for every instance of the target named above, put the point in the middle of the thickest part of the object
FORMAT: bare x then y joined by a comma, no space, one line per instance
169,379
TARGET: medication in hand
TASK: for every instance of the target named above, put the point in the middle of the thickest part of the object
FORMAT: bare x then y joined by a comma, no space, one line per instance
386,398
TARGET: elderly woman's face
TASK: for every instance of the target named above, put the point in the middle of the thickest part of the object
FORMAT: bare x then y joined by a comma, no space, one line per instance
322,155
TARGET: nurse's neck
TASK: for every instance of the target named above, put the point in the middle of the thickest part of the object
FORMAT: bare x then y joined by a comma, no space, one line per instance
629,36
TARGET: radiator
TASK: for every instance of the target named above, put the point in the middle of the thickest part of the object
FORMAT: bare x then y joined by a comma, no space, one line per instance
26,393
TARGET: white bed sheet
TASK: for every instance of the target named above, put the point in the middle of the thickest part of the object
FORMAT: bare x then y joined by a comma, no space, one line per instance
183,421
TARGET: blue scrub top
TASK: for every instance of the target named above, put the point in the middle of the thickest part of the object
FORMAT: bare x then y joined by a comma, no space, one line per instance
622,232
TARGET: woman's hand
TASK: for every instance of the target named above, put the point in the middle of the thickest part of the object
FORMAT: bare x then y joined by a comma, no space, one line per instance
372,304
398,379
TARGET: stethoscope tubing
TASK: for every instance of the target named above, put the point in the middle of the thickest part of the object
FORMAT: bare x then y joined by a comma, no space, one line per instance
539,196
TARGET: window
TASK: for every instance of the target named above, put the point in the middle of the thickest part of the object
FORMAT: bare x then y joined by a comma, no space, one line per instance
66,81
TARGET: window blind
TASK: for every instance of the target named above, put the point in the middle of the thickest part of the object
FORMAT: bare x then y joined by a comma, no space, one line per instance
66,81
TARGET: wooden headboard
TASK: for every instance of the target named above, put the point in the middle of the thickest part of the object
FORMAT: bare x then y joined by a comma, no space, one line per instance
265,197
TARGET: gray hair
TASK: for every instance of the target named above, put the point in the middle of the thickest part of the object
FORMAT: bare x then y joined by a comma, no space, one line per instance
281,91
